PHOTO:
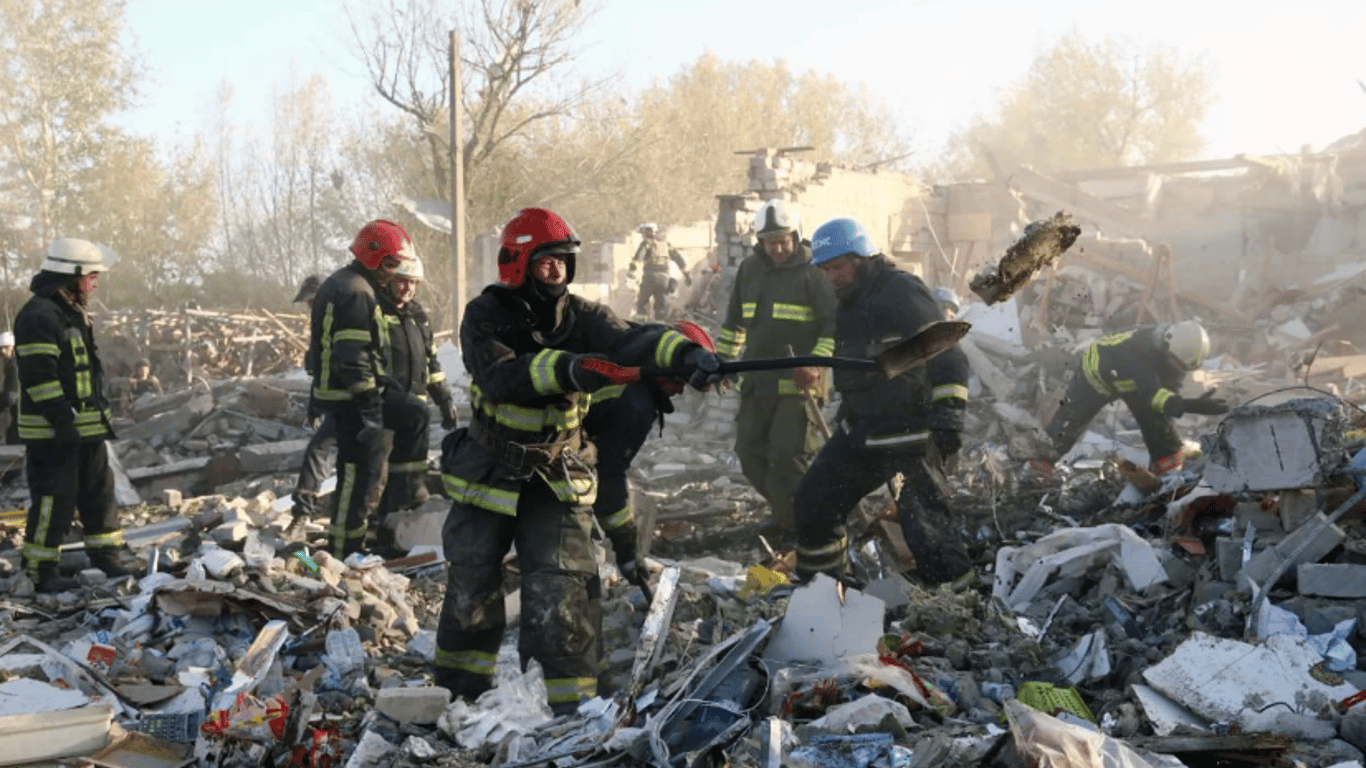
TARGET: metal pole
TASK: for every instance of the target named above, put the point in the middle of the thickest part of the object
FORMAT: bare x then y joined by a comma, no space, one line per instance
457,150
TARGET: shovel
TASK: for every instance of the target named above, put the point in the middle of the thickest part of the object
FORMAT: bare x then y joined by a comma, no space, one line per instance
891,362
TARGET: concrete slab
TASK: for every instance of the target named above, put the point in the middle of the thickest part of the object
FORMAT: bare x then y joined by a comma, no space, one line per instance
1340,580
1263,563
412,705
1266,448
282,456
1229,681
820,627
1166,715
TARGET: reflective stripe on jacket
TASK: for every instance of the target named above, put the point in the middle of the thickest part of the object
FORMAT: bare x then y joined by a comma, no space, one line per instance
345,337
61,380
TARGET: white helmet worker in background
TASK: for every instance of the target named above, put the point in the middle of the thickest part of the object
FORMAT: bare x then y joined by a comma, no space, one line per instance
947,300
1186,342
778,227
6,343
407,277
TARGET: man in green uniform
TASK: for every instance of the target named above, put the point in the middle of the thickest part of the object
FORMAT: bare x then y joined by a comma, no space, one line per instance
780,305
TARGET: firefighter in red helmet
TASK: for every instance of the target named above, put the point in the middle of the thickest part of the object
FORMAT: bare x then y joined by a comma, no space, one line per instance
350,379
522,471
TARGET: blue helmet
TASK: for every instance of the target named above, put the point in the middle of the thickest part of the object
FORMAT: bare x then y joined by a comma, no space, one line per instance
837,237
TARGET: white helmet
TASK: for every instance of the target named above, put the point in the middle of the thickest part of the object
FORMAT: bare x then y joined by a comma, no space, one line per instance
648,226
945,295
1186,342
71,256
6,339
411,268
776,217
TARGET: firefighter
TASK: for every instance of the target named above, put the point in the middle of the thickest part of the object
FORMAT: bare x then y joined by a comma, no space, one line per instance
351,383
947,301
322,447
655,253
906,424
521,472
1145,367
618,423
415,375
64,417
780,305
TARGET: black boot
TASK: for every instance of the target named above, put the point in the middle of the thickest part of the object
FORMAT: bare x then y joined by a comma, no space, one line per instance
107,560
48,580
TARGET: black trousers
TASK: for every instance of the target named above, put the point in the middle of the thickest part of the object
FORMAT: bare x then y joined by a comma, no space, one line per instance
320,453
363,469
1081,404
561,624
842,474
407,417
618,427
64,478
654,286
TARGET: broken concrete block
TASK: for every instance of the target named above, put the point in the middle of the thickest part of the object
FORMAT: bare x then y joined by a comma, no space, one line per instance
1230,557
231,533
1297,506
283,456
174,499
1268,448
1340,580
822,627
1262,564
1216,678
419,526
413,705
1165,715
92,576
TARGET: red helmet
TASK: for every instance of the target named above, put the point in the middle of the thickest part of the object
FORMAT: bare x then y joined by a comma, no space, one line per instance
379,239
531,232
695,334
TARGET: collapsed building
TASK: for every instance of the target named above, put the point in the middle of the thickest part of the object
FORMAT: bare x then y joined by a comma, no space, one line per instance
1206,617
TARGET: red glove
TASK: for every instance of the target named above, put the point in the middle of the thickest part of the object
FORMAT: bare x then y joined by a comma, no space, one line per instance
603,372
804,378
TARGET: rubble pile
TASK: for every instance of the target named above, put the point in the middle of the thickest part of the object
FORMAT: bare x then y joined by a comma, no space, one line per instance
194,343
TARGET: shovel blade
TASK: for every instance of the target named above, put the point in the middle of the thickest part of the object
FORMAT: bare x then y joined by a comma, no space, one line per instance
918,349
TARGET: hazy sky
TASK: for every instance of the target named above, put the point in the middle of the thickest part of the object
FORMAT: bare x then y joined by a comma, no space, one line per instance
1286,73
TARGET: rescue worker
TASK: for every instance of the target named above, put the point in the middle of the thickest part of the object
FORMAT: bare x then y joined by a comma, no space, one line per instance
1145,367
617,424
414,374
348,343
64,417
780,305
906,424
522,471
142,382
9,390
655,253
322,447
947,301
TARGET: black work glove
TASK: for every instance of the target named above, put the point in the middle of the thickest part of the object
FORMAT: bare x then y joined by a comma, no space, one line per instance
67,434
708,368
1206,404
947,441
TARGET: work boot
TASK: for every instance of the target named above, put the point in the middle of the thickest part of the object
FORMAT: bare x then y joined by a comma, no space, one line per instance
48,580
107,560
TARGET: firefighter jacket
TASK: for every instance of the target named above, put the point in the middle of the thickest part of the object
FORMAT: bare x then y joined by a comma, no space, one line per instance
527,418
410,348
61,380
656,254
1133,362
346,343
773,307
887,306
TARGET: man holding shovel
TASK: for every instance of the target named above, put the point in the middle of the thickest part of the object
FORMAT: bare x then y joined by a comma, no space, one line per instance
892,422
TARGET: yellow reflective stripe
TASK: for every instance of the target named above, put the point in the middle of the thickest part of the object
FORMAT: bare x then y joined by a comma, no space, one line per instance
44,520
1125,385
332,395
111,539
33,552
616,519
24,350
575,491
747,310
949,392
46,391
1160,399
1115,339
799,312
729,342
789,387
324,390
402,467
91,415
364,385
352,334
79,356
542,371
609,392
567,690
668,344
84,389
903,438
1090,366
830,557
483,496
472,661
825,346
338,530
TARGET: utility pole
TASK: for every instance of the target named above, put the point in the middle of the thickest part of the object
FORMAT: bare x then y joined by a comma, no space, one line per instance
457,150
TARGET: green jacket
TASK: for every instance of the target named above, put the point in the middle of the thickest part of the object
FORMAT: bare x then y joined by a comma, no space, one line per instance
774,307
